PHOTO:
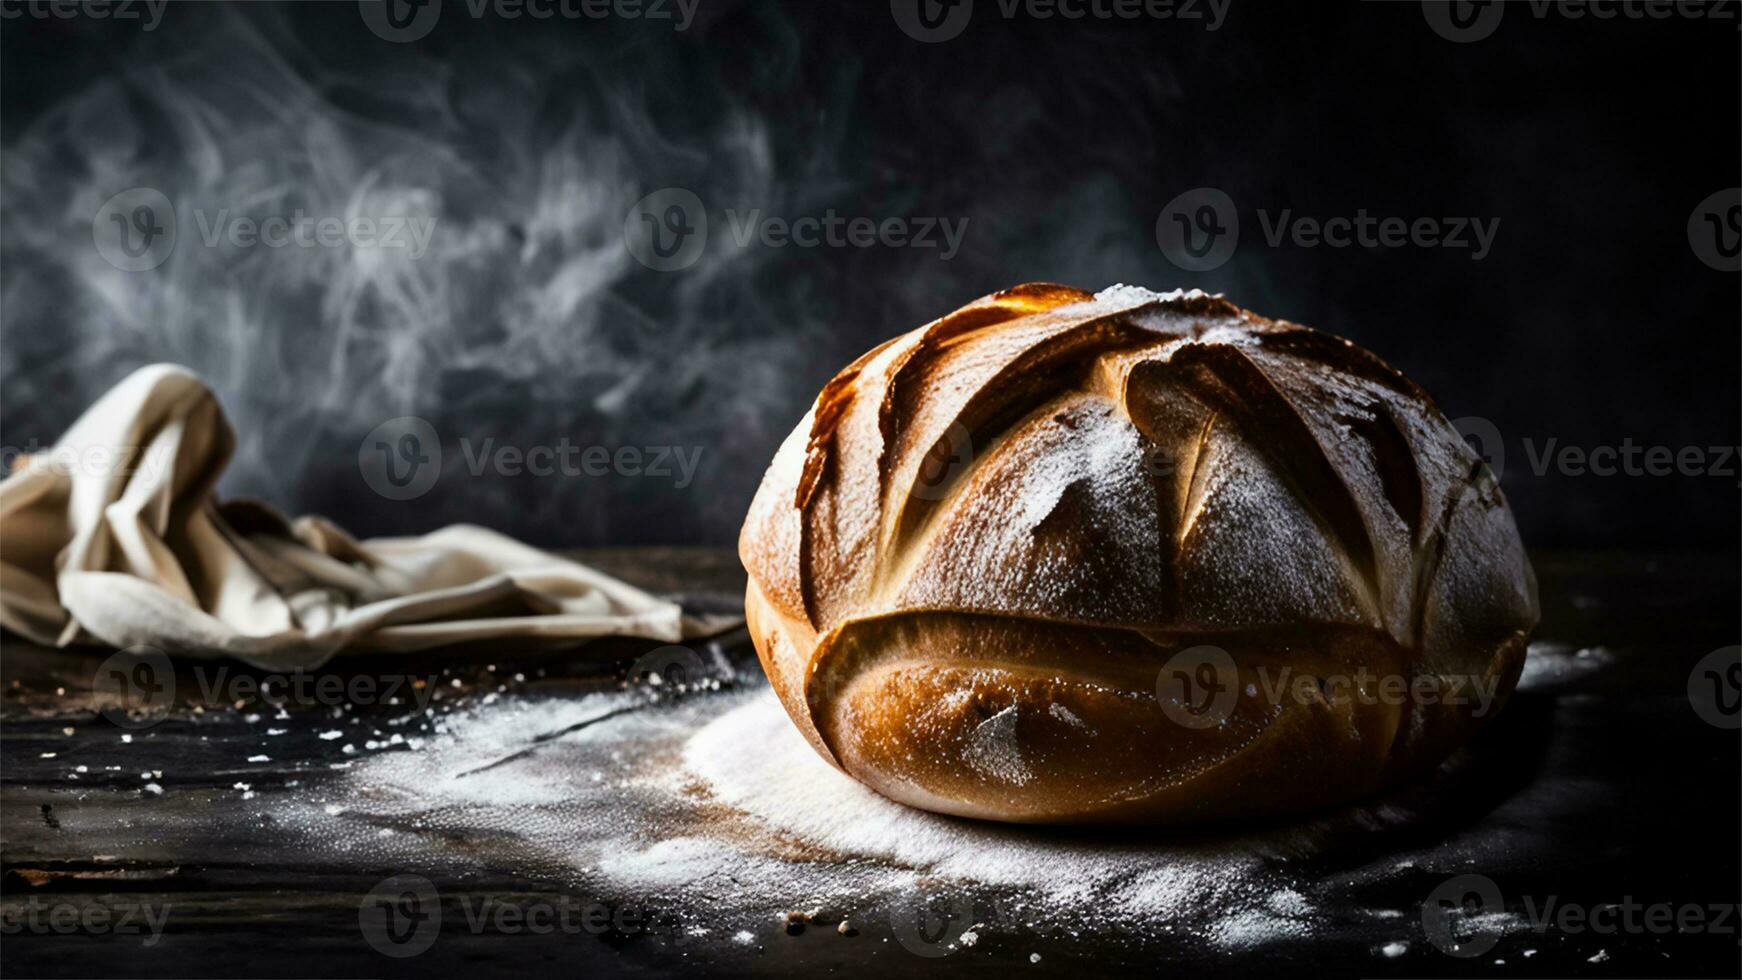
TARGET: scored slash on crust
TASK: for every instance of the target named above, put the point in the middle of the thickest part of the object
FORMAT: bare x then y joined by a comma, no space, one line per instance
993,464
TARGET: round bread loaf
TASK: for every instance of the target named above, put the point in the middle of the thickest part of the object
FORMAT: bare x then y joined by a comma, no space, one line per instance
1131,557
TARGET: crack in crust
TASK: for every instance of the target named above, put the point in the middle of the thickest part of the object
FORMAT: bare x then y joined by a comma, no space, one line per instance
980,371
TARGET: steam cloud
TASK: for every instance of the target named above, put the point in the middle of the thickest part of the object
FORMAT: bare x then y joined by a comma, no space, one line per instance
527,321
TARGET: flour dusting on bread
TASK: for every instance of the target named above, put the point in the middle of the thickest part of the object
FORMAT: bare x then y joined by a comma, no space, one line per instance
1049,493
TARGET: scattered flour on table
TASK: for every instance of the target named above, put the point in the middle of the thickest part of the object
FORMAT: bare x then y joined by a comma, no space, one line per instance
753,759
716,806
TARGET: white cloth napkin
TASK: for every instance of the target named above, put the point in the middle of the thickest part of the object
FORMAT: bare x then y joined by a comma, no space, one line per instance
116,537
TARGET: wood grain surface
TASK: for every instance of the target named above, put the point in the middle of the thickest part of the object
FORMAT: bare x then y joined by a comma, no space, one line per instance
127,849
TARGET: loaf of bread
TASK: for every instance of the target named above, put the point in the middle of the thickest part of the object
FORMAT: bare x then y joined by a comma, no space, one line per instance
1131,557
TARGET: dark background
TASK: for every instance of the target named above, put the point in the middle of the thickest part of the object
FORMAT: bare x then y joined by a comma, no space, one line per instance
1590,322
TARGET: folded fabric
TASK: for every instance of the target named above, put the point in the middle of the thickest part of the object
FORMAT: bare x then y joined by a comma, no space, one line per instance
116,537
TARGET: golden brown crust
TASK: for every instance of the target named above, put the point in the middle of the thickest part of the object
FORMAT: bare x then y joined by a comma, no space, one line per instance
1036,500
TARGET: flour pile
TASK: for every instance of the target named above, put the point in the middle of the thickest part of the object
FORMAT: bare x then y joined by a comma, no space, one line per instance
753,759
713,807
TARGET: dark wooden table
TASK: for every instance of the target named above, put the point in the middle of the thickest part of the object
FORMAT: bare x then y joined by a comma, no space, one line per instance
129,848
